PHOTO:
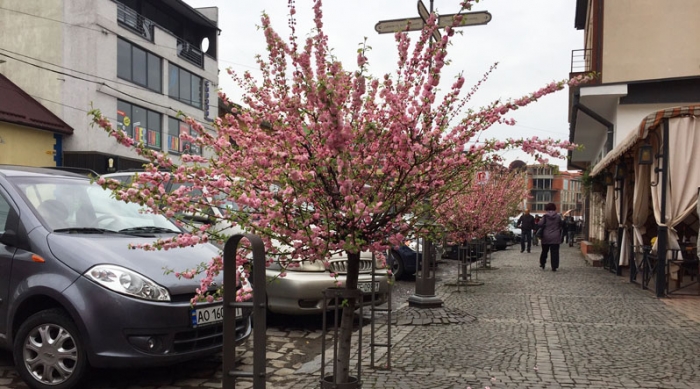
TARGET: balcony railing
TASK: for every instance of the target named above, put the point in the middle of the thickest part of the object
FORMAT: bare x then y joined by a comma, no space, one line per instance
190,52
132,20
581,61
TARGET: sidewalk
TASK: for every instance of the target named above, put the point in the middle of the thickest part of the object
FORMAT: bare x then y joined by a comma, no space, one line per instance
579,327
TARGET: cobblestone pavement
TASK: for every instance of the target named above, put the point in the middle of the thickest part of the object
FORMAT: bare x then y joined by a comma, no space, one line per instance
579,327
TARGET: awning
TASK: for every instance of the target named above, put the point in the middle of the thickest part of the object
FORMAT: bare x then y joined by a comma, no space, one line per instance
650,122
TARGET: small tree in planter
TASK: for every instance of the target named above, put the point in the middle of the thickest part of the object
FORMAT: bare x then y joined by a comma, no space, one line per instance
327,160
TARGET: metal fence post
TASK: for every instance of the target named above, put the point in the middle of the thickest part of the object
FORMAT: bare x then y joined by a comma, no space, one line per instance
259,305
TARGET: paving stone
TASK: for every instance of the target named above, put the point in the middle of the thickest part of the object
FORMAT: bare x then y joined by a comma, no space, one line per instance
581,327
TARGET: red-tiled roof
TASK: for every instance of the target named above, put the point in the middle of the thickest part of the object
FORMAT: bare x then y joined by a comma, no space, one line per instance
17,107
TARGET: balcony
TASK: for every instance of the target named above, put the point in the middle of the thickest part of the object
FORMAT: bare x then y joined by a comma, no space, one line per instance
581,61
143,26
190,52
130,19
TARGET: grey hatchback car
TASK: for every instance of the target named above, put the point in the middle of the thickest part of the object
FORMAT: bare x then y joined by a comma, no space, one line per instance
73,294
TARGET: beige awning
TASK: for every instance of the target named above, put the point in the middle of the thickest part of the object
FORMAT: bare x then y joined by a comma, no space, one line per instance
650,122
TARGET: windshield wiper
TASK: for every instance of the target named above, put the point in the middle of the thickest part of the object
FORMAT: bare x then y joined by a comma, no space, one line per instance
85,230
148,229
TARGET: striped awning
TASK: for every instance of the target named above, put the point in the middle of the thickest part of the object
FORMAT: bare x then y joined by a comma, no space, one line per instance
649,123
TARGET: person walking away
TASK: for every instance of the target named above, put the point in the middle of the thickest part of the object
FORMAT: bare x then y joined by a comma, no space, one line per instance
526,223
535,239
570,230
552,226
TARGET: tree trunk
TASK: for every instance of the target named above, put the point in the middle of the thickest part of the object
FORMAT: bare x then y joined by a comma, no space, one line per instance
345,333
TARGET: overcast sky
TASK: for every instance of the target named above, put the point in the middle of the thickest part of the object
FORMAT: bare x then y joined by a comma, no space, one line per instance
531,40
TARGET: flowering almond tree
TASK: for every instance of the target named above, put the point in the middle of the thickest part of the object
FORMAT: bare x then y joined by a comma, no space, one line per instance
480,207
324,159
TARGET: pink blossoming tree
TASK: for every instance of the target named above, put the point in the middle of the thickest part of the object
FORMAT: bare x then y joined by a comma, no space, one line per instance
476,207
325,159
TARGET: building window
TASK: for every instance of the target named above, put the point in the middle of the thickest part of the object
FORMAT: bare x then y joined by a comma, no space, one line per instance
140,123
543,197
542,183
139,66
184,86
178,145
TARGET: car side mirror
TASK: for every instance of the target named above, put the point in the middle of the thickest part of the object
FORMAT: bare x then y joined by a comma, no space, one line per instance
9,238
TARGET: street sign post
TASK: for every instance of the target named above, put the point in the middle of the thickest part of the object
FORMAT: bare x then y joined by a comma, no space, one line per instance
424,15
482,177
416,24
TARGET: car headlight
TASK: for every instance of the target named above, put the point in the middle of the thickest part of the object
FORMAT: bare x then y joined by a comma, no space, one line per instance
125,281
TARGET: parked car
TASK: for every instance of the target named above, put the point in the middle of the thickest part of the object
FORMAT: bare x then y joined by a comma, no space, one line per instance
73,294
300,291
514,229
403,261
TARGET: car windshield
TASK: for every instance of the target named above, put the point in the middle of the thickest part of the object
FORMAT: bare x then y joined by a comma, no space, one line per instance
69,203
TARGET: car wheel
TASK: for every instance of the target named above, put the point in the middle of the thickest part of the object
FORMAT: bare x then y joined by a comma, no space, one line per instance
397,268
48,352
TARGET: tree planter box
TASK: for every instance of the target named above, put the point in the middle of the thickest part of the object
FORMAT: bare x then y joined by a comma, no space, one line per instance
585,246
595,260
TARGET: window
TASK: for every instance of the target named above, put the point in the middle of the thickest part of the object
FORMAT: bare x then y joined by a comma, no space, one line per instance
139,66
542,183
543,197
140,123
4,213
177,145
184,86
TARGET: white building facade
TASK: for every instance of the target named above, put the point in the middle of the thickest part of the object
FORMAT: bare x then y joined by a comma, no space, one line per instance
139,62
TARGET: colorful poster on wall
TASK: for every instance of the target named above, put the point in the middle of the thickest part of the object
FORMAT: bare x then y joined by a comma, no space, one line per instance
186,147
139,133
174,143
154,138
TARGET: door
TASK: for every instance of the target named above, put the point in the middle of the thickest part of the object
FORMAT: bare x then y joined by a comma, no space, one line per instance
6,254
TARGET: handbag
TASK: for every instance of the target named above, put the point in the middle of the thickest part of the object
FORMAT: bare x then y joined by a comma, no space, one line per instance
540,230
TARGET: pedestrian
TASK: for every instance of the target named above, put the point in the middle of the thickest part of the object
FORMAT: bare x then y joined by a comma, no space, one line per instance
526,223
535,239
570,225
552,226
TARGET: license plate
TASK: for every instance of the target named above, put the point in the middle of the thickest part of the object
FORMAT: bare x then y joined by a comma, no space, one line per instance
210,315
366,287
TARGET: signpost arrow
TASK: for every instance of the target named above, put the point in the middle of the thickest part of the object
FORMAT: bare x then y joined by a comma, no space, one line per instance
395,25
417,24
468,19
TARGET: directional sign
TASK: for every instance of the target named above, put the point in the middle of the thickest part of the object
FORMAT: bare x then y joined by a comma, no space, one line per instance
394,25
416,24
468,19
425,14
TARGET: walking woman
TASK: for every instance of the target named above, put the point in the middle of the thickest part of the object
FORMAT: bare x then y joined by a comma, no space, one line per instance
551,225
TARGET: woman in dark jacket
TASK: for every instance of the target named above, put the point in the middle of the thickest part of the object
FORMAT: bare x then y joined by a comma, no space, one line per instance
551,225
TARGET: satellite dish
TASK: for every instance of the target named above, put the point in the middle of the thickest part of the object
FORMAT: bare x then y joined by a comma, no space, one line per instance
205,45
